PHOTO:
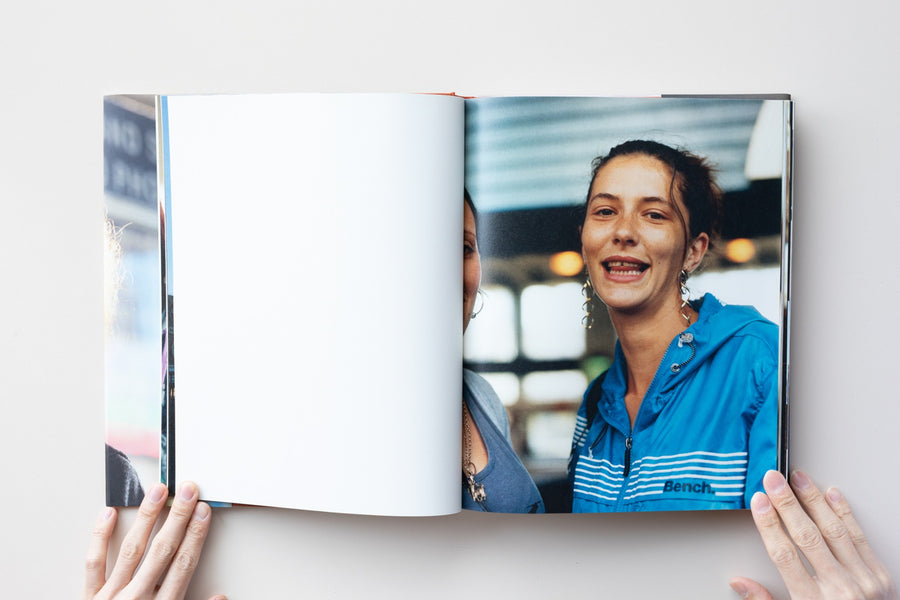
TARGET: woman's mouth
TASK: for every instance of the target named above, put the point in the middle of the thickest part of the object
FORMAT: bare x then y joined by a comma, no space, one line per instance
625,268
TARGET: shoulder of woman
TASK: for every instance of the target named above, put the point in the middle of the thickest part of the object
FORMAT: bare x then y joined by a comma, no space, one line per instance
740,331
740,319
751,323
479,389
480,392
475,382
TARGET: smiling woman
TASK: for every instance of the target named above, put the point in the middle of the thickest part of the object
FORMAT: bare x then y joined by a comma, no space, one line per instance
629,202
686,416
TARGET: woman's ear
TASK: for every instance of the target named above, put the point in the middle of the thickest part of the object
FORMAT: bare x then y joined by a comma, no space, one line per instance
695,252
580,232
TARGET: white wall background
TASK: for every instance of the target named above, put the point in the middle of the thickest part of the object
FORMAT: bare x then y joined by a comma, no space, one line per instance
58,59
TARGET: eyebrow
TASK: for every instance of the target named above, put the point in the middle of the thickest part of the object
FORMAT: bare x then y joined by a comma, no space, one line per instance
644,200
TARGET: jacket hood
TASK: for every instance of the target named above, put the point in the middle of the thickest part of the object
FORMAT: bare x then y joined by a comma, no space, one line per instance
716,324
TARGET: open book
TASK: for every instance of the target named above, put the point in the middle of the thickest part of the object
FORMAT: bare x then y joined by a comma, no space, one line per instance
293,262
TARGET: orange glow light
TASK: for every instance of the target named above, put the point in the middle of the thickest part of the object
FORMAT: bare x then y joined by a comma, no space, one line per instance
740,250
566,263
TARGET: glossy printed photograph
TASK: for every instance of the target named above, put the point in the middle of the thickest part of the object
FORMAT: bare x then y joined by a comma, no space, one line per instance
631,309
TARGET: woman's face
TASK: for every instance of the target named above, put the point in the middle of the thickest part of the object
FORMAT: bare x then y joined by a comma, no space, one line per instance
632,239
471,265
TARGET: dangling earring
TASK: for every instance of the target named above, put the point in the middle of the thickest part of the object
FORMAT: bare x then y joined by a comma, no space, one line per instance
587,290
685,295
475,312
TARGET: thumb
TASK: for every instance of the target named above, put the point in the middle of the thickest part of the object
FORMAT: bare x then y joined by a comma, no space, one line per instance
749,589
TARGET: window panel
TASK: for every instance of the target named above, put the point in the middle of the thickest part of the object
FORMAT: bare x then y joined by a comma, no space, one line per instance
554,386
506,385
551,321
549,434
491,336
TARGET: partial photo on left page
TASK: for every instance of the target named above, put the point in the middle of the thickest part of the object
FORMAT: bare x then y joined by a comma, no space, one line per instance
134,367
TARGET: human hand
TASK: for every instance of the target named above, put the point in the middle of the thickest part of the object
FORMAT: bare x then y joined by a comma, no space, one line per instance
823,529
174,551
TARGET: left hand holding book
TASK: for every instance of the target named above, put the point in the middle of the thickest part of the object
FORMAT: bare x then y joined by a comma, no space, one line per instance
175,550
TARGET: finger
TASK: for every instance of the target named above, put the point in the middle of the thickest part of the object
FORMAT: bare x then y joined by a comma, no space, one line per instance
841,507
165,544
799,525
749,589
780,548
135,541
95,564
175,584
833,529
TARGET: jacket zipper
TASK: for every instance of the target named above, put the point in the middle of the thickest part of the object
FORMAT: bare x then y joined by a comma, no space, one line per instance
625,472
683,338
627,458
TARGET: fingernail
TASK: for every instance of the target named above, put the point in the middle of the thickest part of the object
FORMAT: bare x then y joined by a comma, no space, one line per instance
799,480
739,588
760,503
834,495
201,512
158,492
774,482
108,513
187,491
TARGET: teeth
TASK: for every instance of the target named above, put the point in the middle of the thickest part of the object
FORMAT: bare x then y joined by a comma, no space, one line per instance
622,267
621,263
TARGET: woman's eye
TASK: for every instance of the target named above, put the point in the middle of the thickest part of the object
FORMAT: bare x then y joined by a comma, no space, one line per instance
656,216
603,212
468,249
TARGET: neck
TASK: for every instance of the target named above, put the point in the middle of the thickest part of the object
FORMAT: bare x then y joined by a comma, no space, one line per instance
644,338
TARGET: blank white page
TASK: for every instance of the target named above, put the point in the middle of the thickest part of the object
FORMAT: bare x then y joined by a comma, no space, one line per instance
317,299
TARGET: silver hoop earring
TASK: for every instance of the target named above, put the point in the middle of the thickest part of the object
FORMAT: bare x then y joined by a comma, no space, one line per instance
475,312
587,291
685,295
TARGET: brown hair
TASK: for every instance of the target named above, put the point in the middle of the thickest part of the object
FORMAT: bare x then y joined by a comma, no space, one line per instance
692,176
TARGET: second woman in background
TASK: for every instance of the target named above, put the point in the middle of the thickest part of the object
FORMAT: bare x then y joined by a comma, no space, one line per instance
494,478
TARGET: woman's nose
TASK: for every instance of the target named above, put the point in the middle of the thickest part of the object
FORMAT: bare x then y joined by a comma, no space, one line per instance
624,232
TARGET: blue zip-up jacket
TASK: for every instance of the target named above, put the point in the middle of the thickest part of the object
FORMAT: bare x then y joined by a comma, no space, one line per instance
707,428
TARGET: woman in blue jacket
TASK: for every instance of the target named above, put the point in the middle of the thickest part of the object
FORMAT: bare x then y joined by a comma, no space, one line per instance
686,416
